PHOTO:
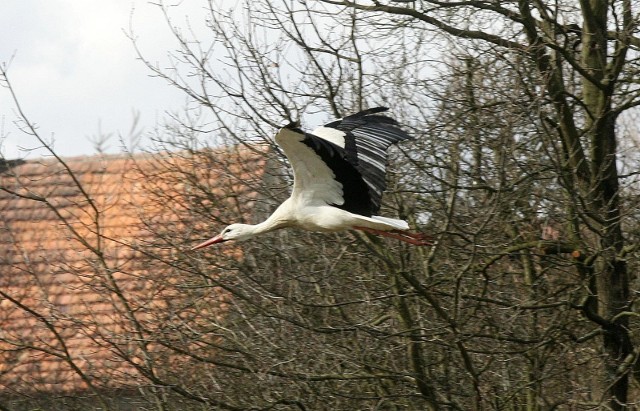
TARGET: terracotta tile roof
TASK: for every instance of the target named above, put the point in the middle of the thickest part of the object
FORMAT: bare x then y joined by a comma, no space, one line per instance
76,265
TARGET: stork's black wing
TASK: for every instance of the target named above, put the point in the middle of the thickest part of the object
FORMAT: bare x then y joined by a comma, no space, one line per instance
365,138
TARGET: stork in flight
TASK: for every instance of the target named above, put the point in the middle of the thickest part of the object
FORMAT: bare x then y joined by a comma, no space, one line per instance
339,176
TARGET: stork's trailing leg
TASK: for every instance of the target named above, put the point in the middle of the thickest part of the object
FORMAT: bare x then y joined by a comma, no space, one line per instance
407,237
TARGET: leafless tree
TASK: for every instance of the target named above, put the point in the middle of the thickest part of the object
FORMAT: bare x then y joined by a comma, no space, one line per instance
527,301
518,171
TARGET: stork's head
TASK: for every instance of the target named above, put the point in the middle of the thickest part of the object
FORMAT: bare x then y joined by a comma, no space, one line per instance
238,232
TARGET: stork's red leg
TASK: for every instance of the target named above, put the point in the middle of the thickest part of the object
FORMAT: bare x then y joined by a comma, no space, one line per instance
407,237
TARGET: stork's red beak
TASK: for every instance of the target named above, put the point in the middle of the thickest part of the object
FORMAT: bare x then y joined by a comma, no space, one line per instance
214,240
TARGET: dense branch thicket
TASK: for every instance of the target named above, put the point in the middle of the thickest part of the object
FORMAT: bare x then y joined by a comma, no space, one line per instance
526,301
524,168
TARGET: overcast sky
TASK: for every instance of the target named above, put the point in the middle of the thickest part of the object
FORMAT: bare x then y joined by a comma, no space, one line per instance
75,72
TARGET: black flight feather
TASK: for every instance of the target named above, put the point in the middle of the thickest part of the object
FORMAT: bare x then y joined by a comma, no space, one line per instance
361,165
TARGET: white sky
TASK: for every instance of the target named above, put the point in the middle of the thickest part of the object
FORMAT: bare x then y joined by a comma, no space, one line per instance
75,72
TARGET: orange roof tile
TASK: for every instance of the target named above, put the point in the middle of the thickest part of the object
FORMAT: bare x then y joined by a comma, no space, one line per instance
74,263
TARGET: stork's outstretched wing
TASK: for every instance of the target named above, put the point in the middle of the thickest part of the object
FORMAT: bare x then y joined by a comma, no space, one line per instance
344,162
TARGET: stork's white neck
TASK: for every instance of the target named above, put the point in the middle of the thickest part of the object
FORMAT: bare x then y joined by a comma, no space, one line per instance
279,219
265,226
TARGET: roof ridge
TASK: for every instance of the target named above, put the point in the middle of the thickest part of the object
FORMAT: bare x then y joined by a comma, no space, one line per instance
248,147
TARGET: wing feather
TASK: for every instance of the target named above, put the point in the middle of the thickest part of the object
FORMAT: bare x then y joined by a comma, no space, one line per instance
313,161
366,137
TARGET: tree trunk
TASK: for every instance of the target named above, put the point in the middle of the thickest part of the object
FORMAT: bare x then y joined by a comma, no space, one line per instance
612,280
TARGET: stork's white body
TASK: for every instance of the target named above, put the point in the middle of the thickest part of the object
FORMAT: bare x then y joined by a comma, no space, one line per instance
299,212
339,176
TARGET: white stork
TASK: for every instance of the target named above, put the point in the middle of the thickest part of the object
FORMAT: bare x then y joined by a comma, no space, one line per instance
339,176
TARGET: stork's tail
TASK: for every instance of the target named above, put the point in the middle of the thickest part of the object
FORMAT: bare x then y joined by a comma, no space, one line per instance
392,222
